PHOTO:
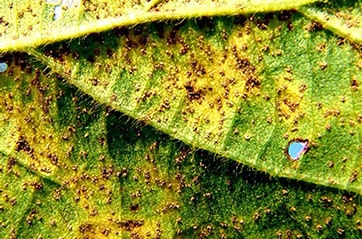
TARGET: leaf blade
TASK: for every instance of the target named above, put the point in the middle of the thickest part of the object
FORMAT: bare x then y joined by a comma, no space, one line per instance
241,91
23,28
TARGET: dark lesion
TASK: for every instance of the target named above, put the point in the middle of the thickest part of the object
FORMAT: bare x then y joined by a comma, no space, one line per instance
130,225
354,85
248,69
192,92
252,82
23,145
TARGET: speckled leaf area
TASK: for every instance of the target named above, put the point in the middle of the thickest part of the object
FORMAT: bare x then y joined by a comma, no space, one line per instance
111,177
61,179
318,99
47,178
344,18
242,88
30,23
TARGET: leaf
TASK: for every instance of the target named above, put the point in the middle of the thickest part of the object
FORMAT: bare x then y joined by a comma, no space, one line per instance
344,18
73,167
241,88
32,23
82,170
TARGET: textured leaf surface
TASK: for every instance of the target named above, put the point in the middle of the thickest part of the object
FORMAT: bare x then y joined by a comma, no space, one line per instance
241,88
341,17
29,23
81,170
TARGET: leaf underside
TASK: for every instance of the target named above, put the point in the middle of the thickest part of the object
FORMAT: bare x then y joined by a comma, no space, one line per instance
237,87
30,23
344,18
80,169
79,159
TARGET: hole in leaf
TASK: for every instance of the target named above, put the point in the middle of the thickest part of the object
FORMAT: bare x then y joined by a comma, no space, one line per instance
296,148
3,67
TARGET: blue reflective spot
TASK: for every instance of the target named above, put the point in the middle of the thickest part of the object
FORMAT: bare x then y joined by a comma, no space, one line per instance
3,67
296,149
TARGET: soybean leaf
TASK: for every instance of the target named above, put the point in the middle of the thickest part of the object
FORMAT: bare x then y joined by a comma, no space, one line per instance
344,18
242,88
30,23
79,169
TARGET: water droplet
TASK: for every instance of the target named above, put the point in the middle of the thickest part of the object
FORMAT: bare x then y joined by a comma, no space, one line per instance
296,148
3,67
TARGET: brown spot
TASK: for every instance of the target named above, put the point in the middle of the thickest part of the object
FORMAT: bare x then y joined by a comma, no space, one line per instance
134,207
323,65
252,82
11,162
109,52
91,59
85,228
332,112
354,85
37,185
262,24
244,65
292,106
22,145
314,26
192,93
130,44
130,224
290,26
240,20
285,15
172,38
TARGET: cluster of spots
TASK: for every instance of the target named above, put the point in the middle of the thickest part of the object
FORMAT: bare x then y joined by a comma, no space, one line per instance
304,210
105,9
194,84
31,105
336,105
24,17
152,181
60,139
315,105
345,15
135,181
245,89
289,96
33,18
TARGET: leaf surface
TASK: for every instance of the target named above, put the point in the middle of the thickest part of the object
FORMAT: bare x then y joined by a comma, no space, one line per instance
30,23
241,88
344,18
81,170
